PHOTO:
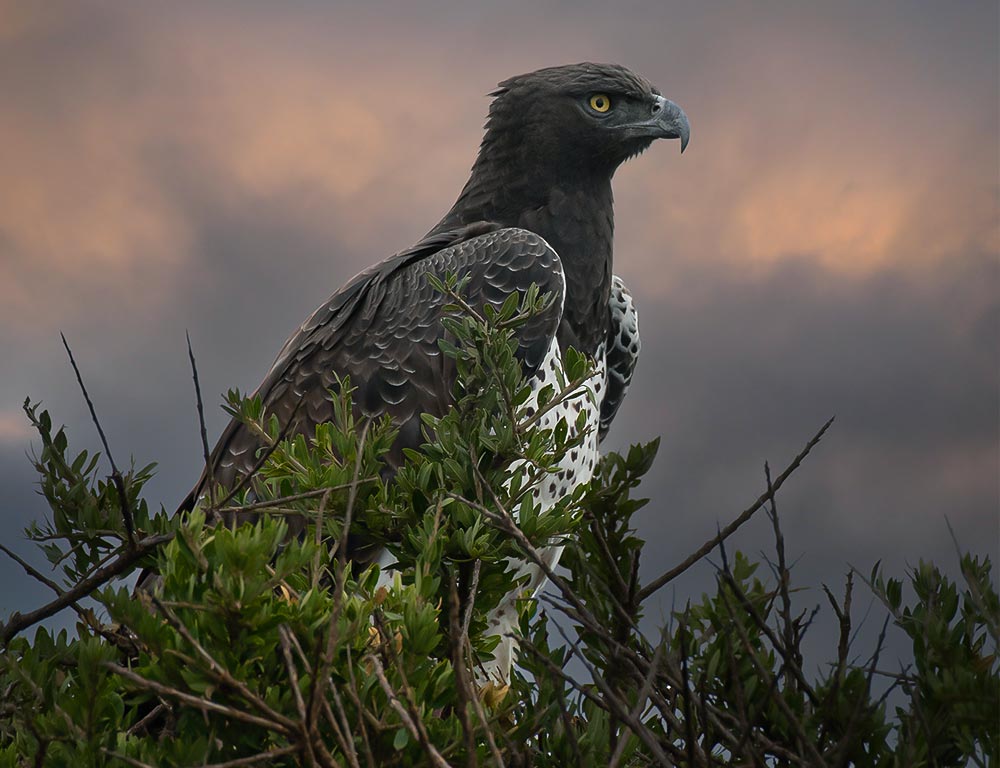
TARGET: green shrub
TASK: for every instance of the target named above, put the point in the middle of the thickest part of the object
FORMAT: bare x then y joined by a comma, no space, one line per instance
264,648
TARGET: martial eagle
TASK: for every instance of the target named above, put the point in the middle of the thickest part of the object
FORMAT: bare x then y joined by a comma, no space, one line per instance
537,209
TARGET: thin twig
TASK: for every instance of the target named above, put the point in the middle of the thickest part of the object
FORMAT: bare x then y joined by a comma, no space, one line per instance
793,658
342,734
322,678
690,741
843,643
617,707
260,757
787,654
219,672
140,726
352,495
197,702
988,616
610,560
640,702
363,713
344,728
30,570
470,604
293,675
273,503
86,615
419,734
863,697
116,476
206,451
319,538
462,684
262,459
307,729
466,649
804,741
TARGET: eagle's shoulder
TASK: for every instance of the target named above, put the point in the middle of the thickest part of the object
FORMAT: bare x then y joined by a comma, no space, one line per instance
394,298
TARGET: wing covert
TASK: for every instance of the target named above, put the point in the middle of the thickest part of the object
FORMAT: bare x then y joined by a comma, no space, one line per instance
382,330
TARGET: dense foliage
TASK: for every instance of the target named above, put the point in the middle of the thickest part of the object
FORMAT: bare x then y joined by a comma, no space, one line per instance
264,648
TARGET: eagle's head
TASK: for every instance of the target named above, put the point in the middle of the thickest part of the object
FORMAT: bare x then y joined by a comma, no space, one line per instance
580,118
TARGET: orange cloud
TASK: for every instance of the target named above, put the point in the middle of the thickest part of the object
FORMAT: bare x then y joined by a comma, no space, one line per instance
13,427
85,202
264,108
854,193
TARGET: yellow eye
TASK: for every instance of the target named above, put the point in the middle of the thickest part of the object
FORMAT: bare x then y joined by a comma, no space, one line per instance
599,102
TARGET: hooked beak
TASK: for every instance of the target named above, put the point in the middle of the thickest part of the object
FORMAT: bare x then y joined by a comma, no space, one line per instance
666,121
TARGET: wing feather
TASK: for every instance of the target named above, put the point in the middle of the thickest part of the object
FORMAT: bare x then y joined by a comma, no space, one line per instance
382,330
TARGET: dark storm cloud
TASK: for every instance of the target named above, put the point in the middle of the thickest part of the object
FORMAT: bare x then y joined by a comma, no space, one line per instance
738,371
826,246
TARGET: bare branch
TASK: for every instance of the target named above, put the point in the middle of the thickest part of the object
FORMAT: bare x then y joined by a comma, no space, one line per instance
206,451
792,655
125,560
116,476
726,532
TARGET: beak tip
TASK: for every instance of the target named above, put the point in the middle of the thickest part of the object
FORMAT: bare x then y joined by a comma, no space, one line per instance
679,125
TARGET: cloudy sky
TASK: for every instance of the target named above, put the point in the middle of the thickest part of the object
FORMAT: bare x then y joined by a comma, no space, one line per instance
827,245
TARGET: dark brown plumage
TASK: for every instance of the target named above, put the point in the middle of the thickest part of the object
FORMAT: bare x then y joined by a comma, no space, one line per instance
537,209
